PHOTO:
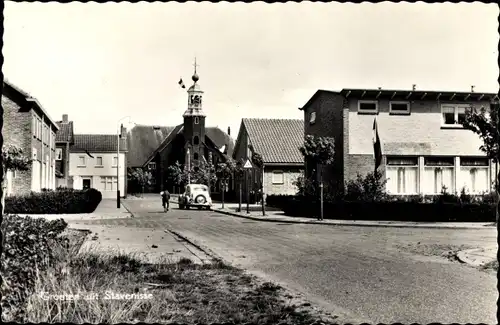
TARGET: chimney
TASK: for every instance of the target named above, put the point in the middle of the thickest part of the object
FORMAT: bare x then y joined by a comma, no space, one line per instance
414,87
228,130
123,132
65,118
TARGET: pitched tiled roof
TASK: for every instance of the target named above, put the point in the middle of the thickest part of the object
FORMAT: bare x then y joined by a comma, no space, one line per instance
65,132
276,140
144,140
97,143
220,138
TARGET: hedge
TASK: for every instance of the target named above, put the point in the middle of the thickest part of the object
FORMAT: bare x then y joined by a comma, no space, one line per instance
439,211
61,201
29,246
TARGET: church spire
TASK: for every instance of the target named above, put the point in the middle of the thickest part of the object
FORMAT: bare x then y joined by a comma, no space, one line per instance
195,94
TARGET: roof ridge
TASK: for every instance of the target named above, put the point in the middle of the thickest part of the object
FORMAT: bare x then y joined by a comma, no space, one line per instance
272,119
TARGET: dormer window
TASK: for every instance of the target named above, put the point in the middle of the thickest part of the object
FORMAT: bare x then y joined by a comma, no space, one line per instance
368,106
312,118
399,108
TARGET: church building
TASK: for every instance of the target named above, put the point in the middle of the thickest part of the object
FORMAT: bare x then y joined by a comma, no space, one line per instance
158,147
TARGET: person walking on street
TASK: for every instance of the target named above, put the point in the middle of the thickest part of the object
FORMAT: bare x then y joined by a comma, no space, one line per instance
165,200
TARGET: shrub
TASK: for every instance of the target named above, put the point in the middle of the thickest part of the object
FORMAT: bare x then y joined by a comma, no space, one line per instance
368,188
61,201
393,210
29,244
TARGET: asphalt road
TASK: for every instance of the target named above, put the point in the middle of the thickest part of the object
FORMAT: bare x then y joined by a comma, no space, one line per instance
375,275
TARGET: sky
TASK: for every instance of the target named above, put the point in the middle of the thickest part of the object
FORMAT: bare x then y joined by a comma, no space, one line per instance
101,62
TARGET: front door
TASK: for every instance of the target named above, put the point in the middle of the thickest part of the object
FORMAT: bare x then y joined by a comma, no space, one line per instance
86,183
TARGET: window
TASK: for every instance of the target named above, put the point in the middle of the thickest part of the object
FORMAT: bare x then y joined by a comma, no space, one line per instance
58,154
399,107
115,161
402,175
33,126
312,118
152,166
98,161
109,183
196,120
367,106
453,115
438,173
474,175
40,129
196,140
81,161
278,177
195,156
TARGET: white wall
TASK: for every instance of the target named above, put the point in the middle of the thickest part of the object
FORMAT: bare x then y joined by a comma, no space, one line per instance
97,173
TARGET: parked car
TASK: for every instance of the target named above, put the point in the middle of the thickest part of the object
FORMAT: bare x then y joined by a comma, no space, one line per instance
196,195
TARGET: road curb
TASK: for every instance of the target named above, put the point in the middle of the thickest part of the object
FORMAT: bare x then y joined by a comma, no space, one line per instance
343,224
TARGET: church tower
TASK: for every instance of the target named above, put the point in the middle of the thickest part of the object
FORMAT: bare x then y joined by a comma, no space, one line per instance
194,121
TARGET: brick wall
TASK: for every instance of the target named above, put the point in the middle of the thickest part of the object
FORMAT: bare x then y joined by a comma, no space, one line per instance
289,176
17,131
329,109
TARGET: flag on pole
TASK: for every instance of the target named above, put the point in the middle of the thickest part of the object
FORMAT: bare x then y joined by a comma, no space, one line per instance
377,148
181,83
88,153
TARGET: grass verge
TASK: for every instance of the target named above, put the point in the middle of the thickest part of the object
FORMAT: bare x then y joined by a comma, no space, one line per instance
93,288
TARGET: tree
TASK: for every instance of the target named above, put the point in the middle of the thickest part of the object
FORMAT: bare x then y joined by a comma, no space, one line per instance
224,171
485,123
319,151
175,174
13,159
141,177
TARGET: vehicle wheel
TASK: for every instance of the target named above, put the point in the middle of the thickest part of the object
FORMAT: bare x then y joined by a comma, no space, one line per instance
200,199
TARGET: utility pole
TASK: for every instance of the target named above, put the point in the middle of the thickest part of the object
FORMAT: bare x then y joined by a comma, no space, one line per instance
263,197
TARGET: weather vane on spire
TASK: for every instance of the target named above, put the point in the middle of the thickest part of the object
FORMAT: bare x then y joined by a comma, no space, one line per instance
195,65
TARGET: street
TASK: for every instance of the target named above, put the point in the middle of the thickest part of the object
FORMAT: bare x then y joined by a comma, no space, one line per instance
375,275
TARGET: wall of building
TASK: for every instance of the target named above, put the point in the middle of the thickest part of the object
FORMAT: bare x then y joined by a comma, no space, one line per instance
17,131
421,132
328,107
43,144
290,175
102,177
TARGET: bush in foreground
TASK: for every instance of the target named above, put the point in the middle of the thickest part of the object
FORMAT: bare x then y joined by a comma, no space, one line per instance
61,201
29,245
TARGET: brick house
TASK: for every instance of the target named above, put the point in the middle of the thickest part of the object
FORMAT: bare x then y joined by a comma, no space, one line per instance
28,126
93,163
424,146
278,142
64,140
158,147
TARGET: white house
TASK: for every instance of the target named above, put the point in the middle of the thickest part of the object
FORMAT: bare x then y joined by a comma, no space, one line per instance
93,163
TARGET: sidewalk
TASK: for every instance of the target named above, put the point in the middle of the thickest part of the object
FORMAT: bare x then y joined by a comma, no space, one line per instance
149,245
105,210
478,256
278,216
